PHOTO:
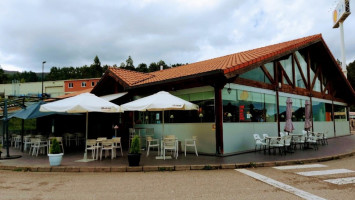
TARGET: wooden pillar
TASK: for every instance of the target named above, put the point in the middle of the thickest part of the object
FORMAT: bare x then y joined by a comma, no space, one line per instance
276,71
218,109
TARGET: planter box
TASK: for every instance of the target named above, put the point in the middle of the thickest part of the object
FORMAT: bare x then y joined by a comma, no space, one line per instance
55,159
134,159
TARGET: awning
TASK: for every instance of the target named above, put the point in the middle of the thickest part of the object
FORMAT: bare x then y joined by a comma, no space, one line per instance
111,97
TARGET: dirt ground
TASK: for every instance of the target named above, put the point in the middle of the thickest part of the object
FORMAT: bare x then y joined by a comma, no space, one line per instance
202,184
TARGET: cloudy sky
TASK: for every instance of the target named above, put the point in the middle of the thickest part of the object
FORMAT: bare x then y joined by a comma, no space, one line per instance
72,33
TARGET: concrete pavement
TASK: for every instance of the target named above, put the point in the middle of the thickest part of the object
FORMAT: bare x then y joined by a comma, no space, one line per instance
337,148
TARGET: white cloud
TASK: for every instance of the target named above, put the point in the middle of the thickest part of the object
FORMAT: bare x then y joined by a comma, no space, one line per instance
72,33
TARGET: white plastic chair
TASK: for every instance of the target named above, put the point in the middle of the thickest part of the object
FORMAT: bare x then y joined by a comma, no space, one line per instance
277,143
38,145
91,145
69,137
259,142
152,143
191,143
282,134
117,145
170,144
311,139
107,145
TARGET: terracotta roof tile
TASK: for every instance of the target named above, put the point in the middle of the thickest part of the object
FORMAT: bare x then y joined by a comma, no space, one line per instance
227,64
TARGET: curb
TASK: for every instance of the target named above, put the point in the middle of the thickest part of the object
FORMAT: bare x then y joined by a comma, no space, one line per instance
149,168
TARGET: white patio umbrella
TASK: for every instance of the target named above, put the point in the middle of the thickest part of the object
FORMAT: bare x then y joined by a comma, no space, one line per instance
160,101
82,103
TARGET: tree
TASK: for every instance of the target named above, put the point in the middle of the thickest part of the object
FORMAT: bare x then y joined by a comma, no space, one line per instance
129,63
153,67
96,69
3,77
351,73
142,68
351,77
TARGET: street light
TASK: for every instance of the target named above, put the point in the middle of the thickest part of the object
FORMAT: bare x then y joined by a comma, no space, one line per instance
42,77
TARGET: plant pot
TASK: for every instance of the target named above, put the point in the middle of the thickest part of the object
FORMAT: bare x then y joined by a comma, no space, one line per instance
134,159
55,159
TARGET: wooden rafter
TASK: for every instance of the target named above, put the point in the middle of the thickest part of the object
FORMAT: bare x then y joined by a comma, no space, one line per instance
284,74
268,75
315,78
293,71
301,72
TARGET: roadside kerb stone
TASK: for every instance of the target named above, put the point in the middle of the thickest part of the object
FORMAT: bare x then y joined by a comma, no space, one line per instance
87,169
242,165
197,167
119,169
268,164
150,168
212,166
6,167
58,169
280,163
44,169
228,166
182,167
135,169
102,169
72,169
166,168
327,158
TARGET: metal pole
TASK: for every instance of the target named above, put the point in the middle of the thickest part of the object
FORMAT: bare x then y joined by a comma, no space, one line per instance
343,61
42,78
6,129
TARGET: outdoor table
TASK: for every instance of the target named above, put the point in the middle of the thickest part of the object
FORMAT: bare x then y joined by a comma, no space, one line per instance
269,139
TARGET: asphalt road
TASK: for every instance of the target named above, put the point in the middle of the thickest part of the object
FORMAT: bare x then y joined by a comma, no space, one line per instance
213,184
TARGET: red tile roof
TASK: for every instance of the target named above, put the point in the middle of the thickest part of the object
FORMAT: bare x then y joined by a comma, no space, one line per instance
225,64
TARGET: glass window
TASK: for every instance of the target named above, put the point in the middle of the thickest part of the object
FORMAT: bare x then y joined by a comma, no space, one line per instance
340,113
205,101
298,109
299,80
301,59
83,84
287,65
246,106
270,69
92,84
321,111
317,86
256,74
70,85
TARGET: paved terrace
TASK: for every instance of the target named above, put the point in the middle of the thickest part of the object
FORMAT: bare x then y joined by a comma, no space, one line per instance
337,148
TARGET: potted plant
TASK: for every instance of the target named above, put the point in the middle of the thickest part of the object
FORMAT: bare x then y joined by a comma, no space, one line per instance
55,155
134,155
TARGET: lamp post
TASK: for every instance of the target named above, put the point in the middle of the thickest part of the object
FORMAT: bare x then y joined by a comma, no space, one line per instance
42,77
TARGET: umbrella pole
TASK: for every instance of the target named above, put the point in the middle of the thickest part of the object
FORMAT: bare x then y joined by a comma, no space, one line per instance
163,125
86,135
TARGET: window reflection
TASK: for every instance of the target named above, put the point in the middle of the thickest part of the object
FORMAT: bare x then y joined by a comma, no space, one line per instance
246,106
321,111
298,109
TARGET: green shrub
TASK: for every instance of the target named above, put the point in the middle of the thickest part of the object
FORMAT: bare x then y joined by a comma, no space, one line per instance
135,145
55,147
